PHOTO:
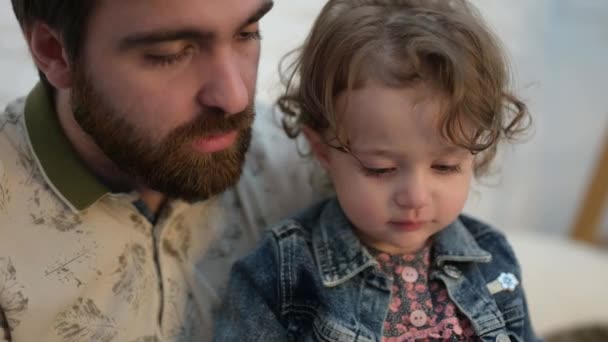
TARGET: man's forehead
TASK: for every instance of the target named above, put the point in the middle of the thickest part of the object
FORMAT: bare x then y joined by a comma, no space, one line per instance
207,15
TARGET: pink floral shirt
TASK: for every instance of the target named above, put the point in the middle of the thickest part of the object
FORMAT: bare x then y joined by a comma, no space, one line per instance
420,309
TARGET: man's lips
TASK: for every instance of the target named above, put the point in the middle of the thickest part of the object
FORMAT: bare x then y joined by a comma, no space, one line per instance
215,143
407,226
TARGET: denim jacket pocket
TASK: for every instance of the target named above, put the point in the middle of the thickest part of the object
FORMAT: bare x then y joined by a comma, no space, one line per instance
515,338
514,314
328,328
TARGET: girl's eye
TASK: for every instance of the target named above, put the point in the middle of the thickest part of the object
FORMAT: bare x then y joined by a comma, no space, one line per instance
167,60
446,169
378,172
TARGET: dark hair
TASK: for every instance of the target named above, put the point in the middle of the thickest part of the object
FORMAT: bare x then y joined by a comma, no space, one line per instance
68,17
444,43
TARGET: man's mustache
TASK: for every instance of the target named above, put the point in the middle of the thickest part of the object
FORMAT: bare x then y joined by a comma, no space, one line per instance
215,121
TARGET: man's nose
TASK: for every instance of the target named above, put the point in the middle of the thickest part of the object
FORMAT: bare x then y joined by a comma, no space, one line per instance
225,87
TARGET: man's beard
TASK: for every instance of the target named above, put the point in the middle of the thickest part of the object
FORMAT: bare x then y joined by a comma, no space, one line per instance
172,166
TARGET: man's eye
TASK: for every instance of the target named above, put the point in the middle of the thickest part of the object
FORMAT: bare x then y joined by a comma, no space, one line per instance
446,169
167,60
250,35
378,172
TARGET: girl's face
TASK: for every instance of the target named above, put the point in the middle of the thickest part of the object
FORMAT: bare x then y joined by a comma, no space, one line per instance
408,183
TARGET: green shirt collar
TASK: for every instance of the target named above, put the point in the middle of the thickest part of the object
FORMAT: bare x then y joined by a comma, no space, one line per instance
61,166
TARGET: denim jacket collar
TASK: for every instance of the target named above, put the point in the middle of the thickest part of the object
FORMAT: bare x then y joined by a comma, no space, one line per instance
341,255
455,243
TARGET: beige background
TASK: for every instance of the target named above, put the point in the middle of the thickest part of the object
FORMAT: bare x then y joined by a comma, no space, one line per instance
559,50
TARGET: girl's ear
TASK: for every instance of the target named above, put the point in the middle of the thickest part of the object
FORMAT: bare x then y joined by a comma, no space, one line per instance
319,148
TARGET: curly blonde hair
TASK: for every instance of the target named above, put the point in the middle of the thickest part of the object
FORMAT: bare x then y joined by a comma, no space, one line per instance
443,43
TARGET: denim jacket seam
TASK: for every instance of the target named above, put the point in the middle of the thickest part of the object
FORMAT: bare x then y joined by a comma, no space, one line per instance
491,322
357,332
319,330
346,277
440,260
290,266
520,313
487,231
492,328
299,310
493,317
285,229
284,278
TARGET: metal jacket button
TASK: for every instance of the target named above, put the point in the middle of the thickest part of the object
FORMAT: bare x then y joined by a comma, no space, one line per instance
502,338
452,271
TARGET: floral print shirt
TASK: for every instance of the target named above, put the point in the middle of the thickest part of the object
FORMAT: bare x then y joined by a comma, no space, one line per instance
420,309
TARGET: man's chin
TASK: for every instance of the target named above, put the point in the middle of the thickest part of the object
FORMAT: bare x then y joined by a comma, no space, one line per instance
179,171
193,194
199,179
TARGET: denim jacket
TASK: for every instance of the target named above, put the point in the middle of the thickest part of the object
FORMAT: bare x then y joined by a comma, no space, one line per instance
312,280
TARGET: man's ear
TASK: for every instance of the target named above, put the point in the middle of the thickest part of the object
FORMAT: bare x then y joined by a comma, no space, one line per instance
319,148
49,54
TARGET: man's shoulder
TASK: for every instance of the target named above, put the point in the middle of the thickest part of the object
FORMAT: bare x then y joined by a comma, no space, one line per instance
11,119
16,158
25,195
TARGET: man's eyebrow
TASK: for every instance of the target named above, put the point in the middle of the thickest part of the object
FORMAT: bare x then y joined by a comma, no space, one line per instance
188,34
260,13
151,38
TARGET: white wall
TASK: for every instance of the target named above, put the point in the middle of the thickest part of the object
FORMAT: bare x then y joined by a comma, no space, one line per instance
16,72
558,49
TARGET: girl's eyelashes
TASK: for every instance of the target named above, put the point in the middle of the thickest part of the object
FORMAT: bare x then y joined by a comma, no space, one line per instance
444,169
377,172
447,169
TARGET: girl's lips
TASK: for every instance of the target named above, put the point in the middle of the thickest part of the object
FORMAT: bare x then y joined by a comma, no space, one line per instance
407,226
215,143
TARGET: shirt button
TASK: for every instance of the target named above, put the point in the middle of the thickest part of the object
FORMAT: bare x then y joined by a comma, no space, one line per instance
409,274
502,338
452,271
418,318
